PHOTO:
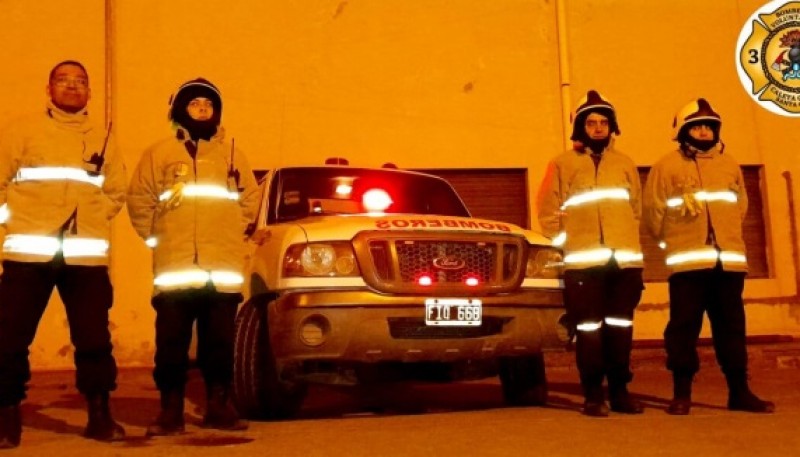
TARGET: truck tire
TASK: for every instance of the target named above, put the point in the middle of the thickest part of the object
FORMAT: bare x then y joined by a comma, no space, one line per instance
523,380
258,392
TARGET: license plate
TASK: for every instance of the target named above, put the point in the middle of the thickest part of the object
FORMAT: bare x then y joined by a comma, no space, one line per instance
457,312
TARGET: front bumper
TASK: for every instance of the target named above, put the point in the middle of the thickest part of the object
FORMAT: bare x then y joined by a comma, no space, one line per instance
362,326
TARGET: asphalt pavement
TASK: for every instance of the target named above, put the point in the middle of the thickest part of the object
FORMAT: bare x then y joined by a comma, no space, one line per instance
463,419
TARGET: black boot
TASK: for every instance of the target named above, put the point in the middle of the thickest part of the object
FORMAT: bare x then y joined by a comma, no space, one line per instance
170,419
595,403
741,398
10,426
622,402
101,425
220,412
681,402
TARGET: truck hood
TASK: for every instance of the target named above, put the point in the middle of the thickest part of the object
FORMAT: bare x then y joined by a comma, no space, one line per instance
340,227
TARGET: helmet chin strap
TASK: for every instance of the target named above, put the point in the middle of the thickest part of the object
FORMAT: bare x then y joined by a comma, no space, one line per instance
691,147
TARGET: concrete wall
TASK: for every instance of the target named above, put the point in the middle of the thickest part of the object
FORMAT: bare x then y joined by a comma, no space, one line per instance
422,83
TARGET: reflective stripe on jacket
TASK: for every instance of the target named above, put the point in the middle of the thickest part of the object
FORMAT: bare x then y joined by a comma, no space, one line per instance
715,181
593,211
52,199
202,239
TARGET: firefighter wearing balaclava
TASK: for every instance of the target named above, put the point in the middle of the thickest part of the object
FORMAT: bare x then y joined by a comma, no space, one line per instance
695,203
589,204
191,198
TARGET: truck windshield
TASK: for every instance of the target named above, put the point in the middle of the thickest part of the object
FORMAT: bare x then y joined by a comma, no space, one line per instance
312,191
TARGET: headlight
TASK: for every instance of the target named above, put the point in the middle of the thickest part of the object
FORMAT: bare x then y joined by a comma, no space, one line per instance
544,262
320,259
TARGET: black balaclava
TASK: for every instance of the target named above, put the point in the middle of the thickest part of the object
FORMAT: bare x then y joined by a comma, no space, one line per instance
186,93
579,129
701,145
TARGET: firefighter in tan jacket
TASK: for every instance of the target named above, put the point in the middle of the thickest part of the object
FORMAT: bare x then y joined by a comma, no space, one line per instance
694,204
191,198
589,203
61,183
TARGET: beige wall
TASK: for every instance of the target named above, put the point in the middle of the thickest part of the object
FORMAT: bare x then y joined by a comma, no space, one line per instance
422,83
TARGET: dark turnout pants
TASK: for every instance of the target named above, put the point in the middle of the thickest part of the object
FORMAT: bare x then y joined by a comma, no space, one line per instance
718,293
600,301
176,312
25,290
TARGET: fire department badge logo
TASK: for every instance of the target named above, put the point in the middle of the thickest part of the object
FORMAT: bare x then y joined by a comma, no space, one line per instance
768,57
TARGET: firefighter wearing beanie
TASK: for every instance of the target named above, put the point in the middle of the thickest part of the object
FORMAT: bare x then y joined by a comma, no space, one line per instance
589,204
695,203
192,198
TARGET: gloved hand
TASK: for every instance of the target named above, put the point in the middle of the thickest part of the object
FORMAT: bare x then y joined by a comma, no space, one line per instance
691,206
176,195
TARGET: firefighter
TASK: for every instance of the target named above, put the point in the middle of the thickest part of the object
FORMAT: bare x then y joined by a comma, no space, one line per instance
695,203
61,183
589,204
192,198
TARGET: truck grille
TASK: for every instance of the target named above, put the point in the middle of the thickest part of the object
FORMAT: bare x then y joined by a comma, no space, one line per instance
394,262
414,259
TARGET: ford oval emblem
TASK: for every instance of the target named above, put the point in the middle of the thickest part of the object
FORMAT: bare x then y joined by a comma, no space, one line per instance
449,262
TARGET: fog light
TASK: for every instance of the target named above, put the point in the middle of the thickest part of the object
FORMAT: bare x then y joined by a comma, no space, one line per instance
314,330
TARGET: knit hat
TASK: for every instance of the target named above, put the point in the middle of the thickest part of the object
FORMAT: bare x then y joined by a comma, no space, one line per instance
592,102
190,90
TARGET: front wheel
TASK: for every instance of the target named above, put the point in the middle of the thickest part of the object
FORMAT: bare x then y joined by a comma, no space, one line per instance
258,391
523,380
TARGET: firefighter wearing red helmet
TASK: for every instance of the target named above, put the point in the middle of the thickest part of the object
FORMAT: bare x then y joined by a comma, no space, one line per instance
694,203
589,203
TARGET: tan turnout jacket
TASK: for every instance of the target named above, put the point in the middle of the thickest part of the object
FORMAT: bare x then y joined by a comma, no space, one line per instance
201,240
597,209
715,182
52,199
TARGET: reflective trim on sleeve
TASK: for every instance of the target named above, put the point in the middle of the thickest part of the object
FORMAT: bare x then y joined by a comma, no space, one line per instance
589,326
203,190
705,255
198,278
596,195
559,239
49,246
618,322
4,214
58,174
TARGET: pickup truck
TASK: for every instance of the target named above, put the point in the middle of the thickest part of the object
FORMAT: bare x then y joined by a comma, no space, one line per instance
366,275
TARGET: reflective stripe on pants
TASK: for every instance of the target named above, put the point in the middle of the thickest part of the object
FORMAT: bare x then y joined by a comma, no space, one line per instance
597,295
